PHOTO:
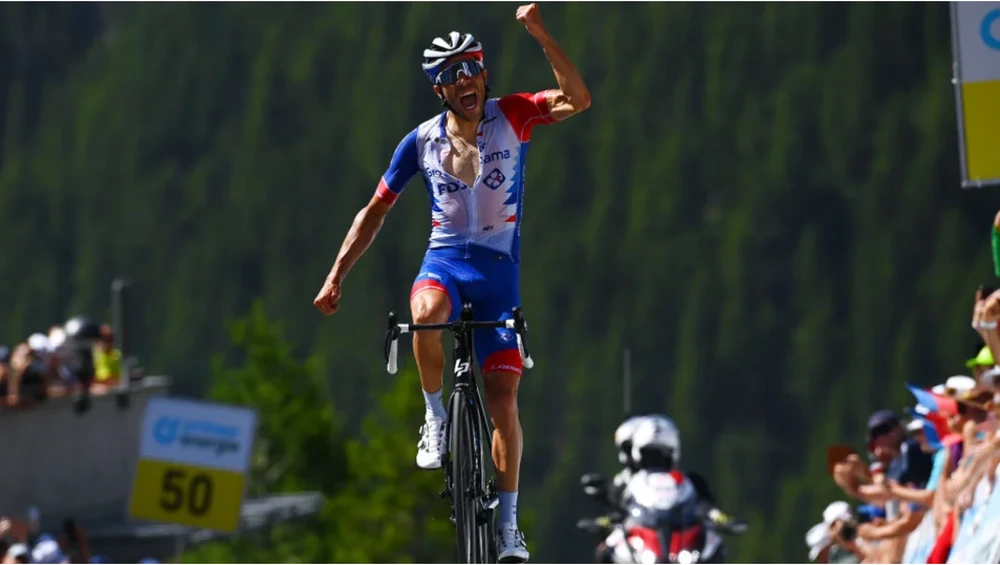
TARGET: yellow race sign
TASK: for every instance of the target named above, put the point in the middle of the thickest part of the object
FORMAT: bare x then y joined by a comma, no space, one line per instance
976,45
184,494
193,460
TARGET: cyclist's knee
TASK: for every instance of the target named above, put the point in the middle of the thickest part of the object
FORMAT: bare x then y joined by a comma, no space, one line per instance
430,307
501,395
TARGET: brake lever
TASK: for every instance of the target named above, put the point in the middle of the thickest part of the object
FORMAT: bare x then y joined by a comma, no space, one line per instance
521,330
391,344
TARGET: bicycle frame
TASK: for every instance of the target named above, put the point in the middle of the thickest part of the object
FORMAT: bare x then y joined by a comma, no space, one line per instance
464,383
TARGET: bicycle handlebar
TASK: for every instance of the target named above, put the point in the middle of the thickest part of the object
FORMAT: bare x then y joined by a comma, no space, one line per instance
465,323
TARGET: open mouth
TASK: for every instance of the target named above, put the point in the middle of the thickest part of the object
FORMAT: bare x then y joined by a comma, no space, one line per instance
468,100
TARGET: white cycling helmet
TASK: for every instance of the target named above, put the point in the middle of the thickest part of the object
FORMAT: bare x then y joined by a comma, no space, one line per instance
656,435
443,48
623,439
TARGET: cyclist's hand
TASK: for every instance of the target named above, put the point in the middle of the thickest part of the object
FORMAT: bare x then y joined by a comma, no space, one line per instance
996,221
531,17
328,299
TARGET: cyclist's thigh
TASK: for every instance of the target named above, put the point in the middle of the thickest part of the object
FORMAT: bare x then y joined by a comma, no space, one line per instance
496,349
435,291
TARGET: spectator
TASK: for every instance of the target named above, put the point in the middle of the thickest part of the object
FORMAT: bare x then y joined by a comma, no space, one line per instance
17,370
908,464
981,363
47,550
81,333
107,359
73,542
18,553
985,314
834,540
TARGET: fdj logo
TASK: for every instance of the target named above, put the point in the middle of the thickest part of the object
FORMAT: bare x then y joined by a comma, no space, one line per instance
197,434
449,187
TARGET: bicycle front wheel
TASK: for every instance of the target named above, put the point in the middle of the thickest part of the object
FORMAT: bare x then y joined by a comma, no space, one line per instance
467,479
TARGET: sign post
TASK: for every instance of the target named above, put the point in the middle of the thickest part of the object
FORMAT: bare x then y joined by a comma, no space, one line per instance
976,67
193,461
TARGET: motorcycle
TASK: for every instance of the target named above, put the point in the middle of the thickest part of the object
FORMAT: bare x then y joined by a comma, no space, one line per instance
660,522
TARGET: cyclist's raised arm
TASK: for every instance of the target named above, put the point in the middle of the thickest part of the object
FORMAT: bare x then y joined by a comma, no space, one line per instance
572,96
368,221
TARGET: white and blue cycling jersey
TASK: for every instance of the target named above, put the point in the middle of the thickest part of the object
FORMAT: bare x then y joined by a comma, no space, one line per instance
487,214
474,251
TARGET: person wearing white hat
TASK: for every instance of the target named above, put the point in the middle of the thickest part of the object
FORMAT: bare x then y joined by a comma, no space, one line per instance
48,551
833,539
18,553
958,384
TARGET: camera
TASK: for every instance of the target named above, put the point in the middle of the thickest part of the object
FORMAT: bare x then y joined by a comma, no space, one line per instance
849,532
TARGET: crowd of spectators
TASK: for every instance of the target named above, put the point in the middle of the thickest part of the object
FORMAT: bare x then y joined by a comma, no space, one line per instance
926,485
22,540
76,358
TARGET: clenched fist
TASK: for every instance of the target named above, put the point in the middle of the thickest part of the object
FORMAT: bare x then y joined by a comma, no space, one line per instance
531,17
328,299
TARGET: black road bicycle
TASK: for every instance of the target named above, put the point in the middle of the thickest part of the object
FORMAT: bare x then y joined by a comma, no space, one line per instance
469,434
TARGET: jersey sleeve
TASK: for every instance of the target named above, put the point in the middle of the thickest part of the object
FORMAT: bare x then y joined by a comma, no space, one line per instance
402,167
524,111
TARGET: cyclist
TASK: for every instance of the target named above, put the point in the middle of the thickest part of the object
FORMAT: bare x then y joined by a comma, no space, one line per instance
653,442
471,157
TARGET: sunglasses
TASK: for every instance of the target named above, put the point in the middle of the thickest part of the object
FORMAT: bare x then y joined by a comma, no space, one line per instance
453,73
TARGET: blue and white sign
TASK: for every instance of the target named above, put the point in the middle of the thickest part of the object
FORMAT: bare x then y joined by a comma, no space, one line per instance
198,433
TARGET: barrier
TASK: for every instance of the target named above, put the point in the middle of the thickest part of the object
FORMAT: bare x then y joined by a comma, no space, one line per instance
921,541
978,539
73,464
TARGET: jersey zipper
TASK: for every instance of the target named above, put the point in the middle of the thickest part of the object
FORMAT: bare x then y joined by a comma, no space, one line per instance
474,208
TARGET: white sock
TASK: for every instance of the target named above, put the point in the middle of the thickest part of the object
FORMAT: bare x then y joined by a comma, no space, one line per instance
508,508
432,400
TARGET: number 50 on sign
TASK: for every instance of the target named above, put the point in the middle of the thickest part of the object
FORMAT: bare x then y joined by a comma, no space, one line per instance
193,459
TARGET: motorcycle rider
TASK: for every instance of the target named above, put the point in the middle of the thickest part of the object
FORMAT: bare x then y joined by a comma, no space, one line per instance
652,442
623,443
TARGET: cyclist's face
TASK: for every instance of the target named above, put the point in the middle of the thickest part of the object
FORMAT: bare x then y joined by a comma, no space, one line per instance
462,84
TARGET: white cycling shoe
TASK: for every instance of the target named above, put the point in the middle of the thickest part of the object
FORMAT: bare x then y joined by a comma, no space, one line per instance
510,544
431,440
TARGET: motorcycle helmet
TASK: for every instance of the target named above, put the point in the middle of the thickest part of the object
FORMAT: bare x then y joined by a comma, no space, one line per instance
656,443
623,439
82,328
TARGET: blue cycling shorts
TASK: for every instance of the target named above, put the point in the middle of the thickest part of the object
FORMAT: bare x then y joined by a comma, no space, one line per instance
489,281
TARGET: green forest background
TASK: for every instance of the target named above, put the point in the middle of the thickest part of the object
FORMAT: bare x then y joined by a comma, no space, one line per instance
762,203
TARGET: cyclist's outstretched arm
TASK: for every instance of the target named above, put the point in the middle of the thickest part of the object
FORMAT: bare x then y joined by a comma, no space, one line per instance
359,237
368,221
572,97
